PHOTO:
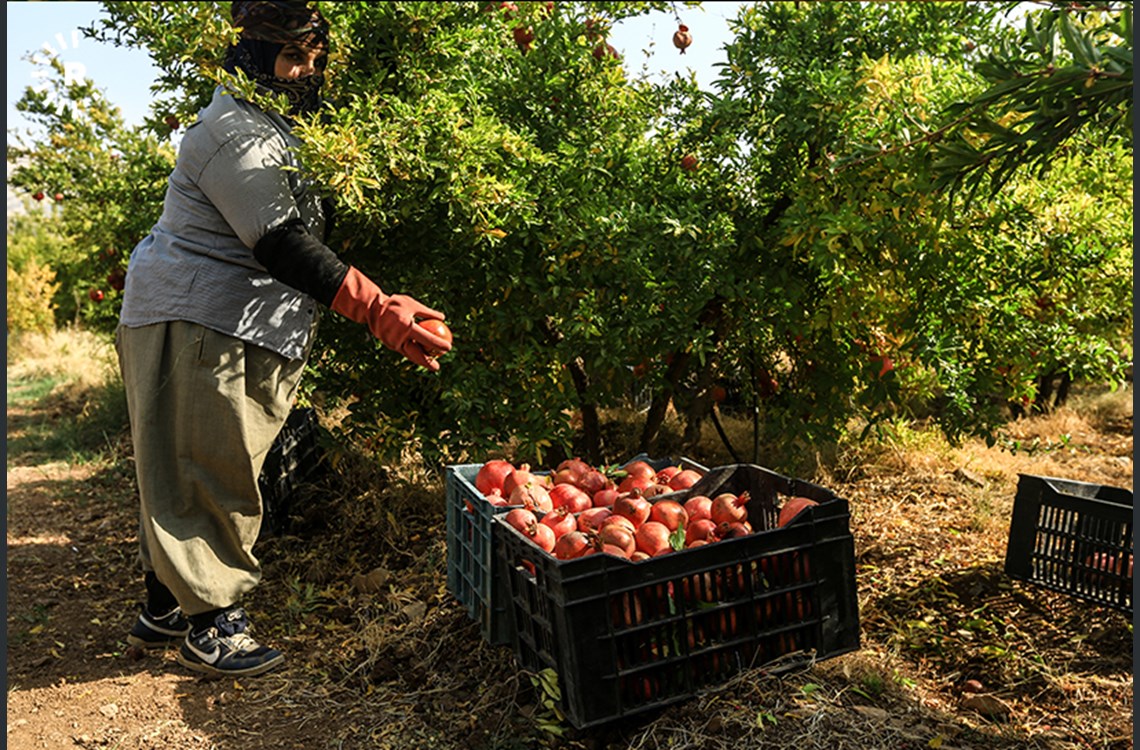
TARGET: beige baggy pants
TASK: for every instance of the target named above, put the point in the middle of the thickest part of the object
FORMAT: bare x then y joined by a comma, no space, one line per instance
205,409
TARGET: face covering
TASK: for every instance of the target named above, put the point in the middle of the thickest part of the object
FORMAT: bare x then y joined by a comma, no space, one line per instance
257,58
266,27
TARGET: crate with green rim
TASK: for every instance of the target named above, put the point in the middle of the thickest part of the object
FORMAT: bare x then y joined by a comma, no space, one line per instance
471,575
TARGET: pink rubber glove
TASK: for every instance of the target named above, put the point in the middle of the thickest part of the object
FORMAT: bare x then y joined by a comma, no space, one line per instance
392,319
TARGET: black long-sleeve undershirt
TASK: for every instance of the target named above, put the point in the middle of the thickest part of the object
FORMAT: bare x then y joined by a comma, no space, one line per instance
293,256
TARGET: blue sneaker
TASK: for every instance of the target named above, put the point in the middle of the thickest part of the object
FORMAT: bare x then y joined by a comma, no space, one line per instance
152,632
226,648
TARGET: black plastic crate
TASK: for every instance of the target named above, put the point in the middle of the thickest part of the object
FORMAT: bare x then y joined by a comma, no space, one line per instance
294,459
628,637
471,575
1074,538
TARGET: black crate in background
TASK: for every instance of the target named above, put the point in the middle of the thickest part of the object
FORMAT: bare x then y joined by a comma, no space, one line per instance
294,459
628,637
1074,538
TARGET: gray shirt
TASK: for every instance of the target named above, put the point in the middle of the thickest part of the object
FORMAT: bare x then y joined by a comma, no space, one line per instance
235,179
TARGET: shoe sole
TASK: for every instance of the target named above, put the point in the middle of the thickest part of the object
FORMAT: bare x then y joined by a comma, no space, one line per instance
204,668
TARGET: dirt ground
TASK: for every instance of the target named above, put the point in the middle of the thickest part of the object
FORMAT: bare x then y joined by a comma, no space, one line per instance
381,656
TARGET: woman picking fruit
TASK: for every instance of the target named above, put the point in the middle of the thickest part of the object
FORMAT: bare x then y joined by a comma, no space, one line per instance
219,312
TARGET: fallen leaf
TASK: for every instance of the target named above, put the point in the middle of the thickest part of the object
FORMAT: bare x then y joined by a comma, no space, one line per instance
986,705
414,612
372,582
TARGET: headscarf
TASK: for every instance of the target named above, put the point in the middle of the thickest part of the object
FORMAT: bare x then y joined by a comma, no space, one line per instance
266,27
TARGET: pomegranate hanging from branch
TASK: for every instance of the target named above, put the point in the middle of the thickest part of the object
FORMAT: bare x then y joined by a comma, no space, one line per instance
682,38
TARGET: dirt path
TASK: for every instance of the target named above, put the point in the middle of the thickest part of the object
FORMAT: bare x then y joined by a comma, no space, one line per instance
70,683
73,592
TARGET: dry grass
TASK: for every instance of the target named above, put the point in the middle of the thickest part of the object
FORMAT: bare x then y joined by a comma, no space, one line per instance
68,396
76,359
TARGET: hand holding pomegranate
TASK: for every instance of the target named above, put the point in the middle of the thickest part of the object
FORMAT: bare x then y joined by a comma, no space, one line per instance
391,318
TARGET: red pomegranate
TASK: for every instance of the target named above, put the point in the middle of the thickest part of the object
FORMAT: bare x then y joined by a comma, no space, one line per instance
682,38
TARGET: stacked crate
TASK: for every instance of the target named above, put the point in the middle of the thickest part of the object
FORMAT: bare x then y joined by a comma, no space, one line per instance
471,574
295,459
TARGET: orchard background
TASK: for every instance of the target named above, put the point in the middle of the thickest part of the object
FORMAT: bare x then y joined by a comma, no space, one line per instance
884,221
857,225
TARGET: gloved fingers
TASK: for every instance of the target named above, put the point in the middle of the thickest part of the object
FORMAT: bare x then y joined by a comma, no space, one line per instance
428,340
394,323
416,354
419,309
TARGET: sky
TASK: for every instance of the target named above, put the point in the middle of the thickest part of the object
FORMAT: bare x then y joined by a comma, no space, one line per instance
125,75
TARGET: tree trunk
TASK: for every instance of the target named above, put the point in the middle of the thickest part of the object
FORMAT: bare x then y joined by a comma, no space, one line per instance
1063,389
591,429
724,437
712,316
752,377
700,406
659,405
1042,403
702,403
654,418
709,317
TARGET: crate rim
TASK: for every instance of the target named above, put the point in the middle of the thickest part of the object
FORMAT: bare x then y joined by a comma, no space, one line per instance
1066,480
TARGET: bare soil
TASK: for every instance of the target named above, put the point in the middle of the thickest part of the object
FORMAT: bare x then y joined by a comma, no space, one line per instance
380,655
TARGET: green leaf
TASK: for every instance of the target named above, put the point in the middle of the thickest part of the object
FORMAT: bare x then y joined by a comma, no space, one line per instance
1076,42
677,538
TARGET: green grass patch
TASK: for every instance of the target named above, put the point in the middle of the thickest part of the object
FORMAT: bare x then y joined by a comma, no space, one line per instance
50,421
29,391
